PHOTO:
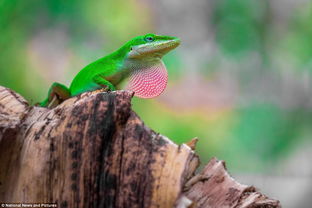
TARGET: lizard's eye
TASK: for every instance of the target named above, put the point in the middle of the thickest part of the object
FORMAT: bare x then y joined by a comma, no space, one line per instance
149,39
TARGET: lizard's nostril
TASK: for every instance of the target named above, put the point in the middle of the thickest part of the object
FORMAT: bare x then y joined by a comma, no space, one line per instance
131,49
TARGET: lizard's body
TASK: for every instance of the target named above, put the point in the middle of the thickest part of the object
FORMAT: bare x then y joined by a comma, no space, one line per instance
140,58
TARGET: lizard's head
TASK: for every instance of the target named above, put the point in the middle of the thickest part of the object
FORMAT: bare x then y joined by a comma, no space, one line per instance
148,75
151,46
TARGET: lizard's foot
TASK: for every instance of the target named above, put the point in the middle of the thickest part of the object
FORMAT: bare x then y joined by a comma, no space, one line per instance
103,89
57,94
54,102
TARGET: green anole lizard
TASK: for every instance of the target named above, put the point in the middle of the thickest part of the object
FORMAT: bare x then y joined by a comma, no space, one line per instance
139,59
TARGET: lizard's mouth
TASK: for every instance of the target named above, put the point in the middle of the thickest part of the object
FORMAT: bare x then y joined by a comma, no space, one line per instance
154,49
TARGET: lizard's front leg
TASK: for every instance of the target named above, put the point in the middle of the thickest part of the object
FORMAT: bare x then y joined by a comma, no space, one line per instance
100,80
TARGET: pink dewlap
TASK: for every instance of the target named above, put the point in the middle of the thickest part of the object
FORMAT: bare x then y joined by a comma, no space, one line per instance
148,82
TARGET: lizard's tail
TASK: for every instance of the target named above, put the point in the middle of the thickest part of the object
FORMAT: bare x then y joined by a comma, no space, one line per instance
44,103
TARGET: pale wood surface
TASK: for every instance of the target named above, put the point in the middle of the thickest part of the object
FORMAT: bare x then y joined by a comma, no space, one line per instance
94,151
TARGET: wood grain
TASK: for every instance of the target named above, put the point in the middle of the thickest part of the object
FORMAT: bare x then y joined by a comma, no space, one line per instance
94,151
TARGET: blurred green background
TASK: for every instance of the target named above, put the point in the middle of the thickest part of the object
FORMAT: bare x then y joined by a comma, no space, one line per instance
240,81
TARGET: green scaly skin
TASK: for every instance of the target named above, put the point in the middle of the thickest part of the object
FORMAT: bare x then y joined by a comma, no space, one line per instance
109,71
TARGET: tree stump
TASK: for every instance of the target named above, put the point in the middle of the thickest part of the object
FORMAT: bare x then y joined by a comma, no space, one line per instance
93,151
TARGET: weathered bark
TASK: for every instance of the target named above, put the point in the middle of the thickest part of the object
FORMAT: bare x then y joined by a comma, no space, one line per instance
94,151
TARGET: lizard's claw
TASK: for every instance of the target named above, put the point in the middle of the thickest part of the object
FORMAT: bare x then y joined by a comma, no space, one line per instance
103,89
